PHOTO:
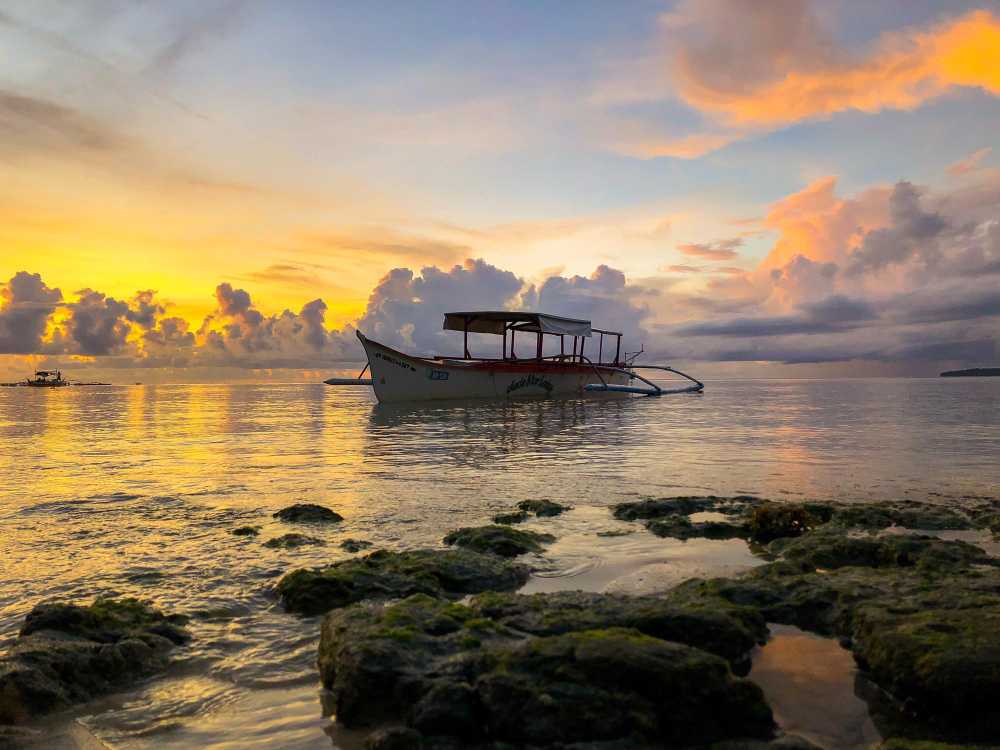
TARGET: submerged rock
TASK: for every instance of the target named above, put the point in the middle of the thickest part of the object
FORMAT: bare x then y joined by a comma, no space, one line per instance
500,540
291,541
527,508
542,508
393,575
355,545
449,671
308,513
511,518
682,527
67,654
246,531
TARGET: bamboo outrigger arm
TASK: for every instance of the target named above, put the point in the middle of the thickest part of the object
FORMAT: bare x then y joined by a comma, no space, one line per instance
652,390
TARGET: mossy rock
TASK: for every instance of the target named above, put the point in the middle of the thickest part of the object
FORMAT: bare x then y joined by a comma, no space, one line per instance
415,662
67,654
308,513
542,508
773,521
246,531
499,540
683,505
728,634
355,545
508,519
910,515
293,541
829,549
921,615
392,575
682,527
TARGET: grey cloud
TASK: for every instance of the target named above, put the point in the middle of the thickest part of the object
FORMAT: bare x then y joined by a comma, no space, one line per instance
830,315
98,325
144,310
605,297
406,309
42,126
912,231
27,305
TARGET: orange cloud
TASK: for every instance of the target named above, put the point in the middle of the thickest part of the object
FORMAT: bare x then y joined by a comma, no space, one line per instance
817,225
686,147
789,80
721,250
969,164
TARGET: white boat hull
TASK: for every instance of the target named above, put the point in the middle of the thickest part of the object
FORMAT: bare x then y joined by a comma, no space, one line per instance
401,377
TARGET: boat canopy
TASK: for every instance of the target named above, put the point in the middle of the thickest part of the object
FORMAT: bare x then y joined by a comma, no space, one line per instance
498,322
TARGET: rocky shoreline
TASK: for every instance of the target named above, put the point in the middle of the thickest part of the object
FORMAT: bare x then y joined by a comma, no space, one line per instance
434,648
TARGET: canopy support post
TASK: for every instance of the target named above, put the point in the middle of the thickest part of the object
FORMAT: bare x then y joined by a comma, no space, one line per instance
465,333
539,355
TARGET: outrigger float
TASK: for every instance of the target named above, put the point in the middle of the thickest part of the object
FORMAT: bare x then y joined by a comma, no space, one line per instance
396,376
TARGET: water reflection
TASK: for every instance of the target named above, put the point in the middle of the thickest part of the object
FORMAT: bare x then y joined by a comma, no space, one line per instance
133,490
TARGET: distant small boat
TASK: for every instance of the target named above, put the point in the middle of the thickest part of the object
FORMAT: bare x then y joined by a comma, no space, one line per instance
396,376
47,379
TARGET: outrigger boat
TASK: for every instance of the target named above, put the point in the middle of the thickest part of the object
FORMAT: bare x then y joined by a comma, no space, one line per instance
47,379
396,376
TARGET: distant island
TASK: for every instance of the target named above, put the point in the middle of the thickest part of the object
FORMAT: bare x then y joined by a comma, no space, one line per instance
975,372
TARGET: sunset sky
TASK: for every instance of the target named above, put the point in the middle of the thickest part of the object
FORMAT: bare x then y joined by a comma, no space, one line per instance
782,187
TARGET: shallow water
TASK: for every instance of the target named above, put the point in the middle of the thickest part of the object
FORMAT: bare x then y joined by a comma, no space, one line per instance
133,490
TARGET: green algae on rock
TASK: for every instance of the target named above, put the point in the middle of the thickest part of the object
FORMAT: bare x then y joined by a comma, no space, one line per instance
392,575
542,508
67,654
682,527
307,513
527,508
683,505
293,540
446,669
826,548
246,531
729,634
355,545
775,521
499,540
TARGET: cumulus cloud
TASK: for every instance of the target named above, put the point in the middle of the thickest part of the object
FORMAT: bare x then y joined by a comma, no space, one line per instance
238,334
893,273
405,309
605,297
27,305
98,325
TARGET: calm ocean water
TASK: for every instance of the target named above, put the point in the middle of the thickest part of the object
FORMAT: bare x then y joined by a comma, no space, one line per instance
133,490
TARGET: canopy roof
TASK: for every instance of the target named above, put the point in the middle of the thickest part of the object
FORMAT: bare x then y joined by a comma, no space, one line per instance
497,321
